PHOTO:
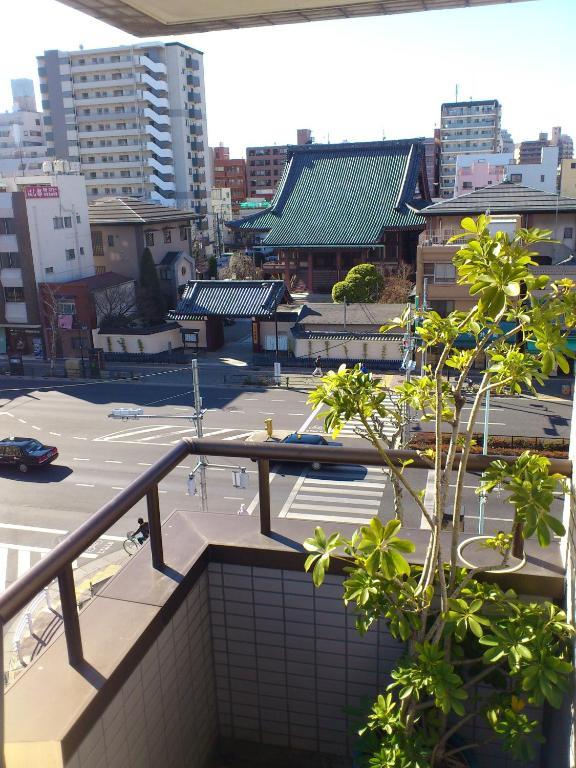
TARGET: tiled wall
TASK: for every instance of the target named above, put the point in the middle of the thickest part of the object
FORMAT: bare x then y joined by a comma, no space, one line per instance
288,658
165,714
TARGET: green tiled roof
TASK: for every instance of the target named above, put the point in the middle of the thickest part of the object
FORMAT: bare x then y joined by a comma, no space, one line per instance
343,195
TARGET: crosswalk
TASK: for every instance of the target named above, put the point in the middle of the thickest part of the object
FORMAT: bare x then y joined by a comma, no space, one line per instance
167,435
352,495
350,429
17,558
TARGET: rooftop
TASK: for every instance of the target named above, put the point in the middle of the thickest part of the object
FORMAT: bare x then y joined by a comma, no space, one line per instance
98,282
131,210
344,195
505,197
356,314
230,298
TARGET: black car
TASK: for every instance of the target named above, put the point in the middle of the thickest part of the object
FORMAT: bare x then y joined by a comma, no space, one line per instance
307,438
25,452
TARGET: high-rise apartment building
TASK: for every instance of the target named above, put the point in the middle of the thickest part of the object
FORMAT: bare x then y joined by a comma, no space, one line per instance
134,117
466,127
22,143
507,141
229,173
530,151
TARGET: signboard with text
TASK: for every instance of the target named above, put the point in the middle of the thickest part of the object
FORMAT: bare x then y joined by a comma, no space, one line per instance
39,192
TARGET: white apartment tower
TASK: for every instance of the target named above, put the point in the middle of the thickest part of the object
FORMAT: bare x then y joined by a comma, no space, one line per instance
134,117
22,144
466,127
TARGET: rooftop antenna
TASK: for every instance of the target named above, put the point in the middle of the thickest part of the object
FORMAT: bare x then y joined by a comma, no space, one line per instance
81,47
456,93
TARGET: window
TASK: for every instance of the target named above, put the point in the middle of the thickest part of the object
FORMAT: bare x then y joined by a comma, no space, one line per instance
49,270
66,307
440,273
167,236
81,251
149,238
516,178
110,239
68,222
58,222
542,177
125,174
443,307
78,219
13,294
467,185
100,270
183,233
568,233
9,260
70,254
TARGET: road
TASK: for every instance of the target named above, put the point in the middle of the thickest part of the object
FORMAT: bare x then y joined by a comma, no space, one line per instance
100,456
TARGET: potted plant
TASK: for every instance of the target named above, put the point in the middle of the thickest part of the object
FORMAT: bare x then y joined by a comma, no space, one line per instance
472,648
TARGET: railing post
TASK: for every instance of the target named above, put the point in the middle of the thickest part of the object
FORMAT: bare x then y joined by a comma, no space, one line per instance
153,503
2,762
264,495
70,615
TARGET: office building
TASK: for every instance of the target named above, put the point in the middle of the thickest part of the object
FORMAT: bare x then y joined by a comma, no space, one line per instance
568,177
466,127
264,167
507,141
23,96
483,170
134,117
229,173
44,238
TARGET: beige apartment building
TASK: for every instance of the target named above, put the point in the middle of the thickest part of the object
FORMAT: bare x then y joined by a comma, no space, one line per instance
568,177
510,206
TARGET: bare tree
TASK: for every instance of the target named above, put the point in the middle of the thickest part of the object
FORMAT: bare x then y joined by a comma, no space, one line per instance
115,305
240,267
49,306
398,284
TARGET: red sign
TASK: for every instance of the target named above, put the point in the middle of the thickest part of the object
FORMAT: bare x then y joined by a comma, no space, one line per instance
38,192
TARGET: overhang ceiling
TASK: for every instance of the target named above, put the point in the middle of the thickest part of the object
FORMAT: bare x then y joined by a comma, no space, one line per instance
146,18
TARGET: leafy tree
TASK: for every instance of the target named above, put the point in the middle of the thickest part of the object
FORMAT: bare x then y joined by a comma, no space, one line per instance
151,304
213,266
460,630
363,284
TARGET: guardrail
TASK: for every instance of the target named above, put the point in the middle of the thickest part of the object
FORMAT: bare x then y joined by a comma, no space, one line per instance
58,563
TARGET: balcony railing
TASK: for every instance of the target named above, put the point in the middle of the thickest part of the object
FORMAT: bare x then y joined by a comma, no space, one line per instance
441,237
57,565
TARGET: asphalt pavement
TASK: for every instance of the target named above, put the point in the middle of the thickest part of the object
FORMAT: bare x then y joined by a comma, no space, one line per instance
100,456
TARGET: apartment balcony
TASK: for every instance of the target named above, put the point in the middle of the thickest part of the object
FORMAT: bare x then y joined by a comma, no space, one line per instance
8,243
112,148
211,646
440,236
99,101
195,113
163,169
193,80
113,166
157,118
154,66
163,136
159,151
82,69
106,133
193,64
152,82
11,277
127,79
164,186
15,312
158,101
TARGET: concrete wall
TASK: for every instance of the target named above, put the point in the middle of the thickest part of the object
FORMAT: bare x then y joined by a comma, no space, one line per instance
349,350
568,177
165,713
153,343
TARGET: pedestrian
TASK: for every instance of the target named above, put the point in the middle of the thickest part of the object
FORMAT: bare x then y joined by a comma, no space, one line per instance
318,369
363,368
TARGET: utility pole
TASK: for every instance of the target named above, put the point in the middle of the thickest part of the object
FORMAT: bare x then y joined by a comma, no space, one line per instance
198,417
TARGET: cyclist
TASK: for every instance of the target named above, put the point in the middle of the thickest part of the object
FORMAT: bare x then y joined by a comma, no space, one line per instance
142,532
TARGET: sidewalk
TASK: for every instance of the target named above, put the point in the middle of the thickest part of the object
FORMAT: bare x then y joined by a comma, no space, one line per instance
45,616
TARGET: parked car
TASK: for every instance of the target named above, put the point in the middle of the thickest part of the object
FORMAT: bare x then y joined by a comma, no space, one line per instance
25,452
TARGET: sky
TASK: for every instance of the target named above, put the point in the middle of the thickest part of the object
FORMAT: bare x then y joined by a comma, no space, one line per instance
353,79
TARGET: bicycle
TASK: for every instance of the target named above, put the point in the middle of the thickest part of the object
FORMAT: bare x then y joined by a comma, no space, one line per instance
131,544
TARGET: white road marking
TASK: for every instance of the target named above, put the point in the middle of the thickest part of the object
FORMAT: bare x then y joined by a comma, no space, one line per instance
23,561
326,518
5,413
349,483
292,495
162,491
110,537
338,500
77,459
144,464
112,461
295,414
233,498
131,432
35,529
267,413
3,566
85,485
22,421
37,428
79,438
56,434
310,418
238,437
117,488
330,509
251,399
277,401
352,491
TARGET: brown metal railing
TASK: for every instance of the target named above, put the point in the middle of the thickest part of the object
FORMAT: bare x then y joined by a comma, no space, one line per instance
58,563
